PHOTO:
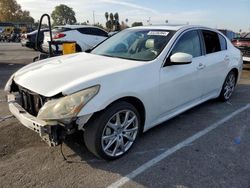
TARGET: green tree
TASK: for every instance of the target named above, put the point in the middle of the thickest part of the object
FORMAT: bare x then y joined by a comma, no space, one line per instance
63,15
112,22
11,11
111,16
25,17
107,16
137,24
116,22
116,16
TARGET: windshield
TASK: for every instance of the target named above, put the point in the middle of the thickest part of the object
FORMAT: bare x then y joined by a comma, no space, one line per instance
141,45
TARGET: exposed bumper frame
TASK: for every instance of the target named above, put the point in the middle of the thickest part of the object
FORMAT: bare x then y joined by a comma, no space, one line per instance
45,131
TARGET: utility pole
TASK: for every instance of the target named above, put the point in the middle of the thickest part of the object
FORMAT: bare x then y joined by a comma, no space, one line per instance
93,17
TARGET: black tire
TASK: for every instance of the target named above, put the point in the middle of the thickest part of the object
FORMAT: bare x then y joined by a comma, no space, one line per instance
94,129
230,77
78,48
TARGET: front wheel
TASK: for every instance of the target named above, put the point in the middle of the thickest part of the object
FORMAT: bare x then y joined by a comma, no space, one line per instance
228,86
110,134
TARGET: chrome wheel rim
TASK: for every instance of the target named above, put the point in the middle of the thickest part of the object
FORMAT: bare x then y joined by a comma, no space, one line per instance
119,133
229,86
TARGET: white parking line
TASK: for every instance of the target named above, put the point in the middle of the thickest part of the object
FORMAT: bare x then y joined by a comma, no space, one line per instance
172,150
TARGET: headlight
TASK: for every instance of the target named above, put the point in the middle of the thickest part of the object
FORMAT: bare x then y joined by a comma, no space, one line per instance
67,107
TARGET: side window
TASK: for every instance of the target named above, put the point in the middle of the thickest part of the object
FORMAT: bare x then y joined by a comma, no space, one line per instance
92,31
189,43
98,32
223,43
212,42
83,31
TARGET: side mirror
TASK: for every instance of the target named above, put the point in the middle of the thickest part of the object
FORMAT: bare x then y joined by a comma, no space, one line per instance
181,58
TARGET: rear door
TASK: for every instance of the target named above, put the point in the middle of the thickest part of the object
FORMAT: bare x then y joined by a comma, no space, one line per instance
216,61
99,34
86,39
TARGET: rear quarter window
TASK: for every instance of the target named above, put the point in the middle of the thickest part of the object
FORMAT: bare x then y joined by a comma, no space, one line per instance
223,42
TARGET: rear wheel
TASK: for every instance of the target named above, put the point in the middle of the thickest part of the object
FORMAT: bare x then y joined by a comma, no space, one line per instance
111,133
228,86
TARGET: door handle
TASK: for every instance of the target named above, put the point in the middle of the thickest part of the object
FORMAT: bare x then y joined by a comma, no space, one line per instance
201,66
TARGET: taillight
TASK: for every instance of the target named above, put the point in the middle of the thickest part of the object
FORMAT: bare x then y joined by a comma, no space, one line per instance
234,42
59,35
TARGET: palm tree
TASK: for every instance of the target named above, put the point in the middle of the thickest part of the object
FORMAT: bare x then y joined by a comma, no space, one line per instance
107,15
111,16
116,16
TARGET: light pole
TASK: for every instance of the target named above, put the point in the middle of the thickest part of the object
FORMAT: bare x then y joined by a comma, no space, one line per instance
93,17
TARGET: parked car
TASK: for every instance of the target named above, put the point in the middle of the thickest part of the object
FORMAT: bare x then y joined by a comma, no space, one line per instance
29,39
86,37
243,43
131,82
229,34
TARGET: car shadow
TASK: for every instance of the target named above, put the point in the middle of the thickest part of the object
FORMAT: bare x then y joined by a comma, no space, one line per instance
160,138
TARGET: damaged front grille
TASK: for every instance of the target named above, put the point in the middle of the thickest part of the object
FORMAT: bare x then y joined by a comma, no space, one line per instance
30,101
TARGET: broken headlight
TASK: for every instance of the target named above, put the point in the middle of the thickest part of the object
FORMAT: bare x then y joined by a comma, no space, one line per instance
68,106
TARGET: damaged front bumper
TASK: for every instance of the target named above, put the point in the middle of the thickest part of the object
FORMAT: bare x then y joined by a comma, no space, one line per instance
50,133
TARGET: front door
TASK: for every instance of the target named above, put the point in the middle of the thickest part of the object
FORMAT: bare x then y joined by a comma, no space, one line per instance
180,85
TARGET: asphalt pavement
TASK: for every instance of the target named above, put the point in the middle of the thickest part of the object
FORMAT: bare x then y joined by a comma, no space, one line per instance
207,146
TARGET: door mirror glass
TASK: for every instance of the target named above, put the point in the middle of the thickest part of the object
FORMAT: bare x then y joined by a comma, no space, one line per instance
181,58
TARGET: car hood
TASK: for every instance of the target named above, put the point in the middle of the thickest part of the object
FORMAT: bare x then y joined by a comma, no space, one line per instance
63,74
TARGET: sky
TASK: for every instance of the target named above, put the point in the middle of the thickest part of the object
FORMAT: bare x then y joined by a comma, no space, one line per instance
221,14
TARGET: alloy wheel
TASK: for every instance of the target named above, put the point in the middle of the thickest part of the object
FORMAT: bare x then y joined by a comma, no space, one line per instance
229,86
119,133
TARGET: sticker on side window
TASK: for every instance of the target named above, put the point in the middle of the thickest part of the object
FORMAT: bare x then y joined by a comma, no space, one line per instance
158,33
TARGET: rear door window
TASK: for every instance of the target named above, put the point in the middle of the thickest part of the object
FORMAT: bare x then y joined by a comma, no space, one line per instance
93,31
98,32
212,41
85,31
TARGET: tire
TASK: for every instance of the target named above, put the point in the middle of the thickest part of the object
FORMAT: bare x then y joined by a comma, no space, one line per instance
78,48
112,132
228,87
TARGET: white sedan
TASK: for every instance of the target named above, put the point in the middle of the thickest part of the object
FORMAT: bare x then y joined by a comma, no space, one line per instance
128,84
85,36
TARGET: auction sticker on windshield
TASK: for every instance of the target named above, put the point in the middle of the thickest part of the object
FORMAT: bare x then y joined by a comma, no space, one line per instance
159,33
